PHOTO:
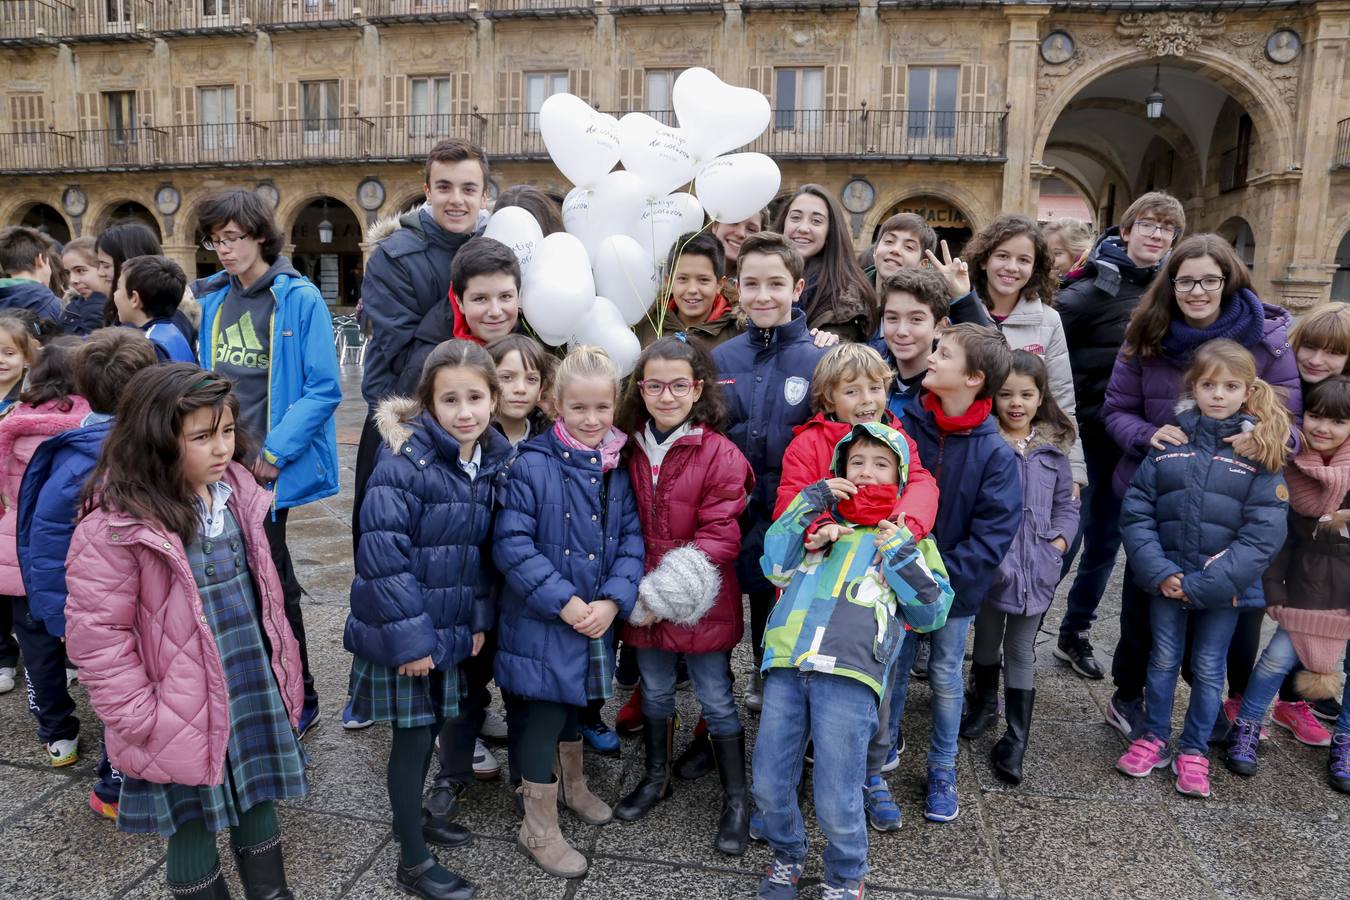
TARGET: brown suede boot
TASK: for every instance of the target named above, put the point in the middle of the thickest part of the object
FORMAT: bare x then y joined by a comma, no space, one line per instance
539,837
576,796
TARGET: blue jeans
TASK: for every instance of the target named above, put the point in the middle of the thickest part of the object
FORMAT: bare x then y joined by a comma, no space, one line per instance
1213,629
1278,660
712,687
842,714
945,681
1098,534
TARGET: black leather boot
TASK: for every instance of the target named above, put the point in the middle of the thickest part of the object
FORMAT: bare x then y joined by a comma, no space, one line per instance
697,759
262,871
443,833
212,887
658,736
982,706
1008,752
733,828
414,881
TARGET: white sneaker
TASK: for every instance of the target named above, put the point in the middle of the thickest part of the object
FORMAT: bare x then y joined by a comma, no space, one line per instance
494,726
485,765
6,680
72,676
64,753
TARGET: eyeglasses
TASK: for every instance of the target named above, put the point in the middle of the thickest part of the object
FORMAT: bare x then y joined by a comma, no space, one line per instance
1209,283
679,388
223,242
1148,227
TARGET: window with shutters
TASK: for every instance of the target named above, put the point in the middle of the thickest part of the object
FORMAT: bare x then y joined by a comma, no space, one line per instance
539,86
117,14
433,100
657,88
932,98
798,99
216,117
319,111
119,109
26,117
215,11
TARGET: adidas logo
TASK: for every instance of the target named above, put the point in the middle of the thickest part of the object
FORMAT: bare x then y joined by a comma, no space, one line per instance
241,347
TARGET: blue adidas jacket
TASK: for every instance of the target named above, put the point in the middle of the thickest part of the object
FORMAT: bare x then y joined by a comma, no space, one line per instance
563,528
765,376
170,345
49,500
980,506
423,583
1206,513
303,388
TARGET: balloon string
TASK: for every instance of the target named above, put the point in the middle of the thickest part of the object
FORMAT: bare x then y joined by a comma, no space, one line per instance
669,280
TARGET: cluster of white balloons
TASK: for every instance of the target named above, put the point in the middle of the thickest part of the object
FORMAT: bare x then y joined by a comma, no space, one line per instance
592,282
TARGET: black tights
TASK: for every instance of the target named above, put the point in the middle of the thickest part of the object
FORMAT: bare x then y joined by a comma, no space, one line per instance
546,724
409,759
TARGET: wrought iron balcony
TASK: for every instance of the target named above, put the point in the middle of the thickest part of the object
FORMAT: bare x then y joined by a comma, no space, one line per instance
502,9
658,7
793,134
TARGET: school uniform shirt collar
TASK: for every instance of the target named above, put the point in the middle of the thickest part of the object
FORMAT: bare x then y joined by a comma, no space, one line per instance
211,520
470,466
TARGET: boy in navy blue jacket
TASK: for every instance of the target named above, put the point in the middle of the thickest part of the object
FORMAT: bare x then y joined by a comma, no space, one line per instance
979,513
25,261
146,295
765,375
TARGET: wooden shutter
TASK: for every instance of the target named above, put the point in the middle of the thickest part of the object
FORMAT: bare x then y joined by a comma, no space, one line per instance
836,93
26,112
90,110
510,91
631,83
974,87
244,107
145,107
761,79
288,100
185,106
348,98
394,98
579,83
462,91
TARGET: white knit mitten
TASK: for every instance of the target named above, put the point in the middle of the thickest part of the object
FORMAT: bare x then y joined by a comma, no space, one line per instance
682,588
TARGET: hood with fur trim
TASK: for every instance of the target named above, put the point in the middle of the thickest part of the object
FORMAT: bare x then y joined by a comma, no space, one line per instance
1040,437
393,420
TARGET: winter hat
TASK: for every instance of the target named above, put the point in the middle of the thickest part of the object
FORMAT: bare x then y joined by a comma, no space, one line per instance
1319,636
680,590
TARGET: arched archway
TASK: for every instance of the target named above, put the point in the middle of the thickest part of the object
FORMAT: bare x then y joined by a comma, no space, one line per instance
1340,282
120,211
409,203
1063,196
327,237
45,218
950,221
1238,232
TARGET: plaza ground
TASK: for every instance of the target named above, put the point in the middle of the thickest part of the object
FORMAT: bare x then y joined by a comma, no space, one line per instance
1075,828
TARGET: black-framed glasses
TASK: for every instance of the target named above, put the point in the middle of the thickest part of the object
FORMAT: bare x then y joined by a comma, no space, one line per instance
1149,227
1209,283
210,244
679,388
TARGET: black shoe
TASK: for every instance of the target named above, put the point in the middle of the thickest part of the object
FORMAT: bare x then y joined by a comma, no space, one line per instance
982,704
626,672
1075,649
414,881
443,801
696,760
212,887
658,736
1328,710
1012,747
921,656
438,831
682,682
733,827
262,872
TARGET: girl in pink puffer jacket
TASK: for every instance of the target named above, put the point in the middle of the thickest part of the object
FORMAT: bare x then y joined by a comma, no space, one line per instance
173,604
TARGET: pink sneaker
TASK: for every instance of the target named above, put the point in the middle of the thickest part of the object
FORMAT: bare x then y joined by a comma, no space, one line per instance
1298,718
1233,705
1192,773
1144,755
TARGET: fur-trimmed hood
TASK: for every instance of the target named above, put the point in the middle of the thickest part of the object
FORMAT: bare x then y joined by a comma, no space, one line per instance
393,420
39,421
1040,437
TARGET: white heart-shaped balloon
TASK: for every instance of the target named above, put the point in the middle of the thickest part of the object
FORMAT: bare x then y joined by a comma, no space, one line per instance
583,143
558,290
517,229
625,273
604,328
660,155
663,220
736,186
613,208
715,115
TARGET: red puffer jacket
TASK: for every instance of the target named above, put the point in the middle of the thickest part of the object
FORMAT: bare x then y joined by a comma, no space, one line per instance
808,458
704,484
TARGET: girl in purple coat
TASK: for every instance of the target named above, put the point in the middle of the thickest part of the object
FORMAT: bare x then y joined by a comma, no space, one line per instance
1042,434
1203,293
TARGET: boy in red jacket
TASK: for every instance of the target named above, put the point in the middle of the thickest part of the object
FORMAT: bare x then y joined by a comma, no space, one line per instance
850,387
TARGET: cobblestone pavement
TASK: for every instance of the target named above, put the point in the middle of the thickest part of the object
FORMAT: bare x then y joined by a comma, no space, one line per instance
1075,828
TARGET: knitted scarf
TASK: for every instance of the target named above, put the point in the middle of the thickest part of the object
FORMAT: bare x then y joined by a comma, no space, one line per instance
1317,488
974,415
871,504
1242,319
609,447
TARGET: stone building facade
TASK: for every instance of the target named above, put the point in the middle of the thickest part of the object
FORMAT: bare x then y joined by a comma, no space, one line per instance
959,109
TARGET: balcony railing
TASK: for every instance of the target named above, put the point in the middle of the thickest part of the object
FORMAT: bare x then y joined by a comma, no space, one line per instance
814,134
1343,144
189,16
381,11
305,13
619,7
537,8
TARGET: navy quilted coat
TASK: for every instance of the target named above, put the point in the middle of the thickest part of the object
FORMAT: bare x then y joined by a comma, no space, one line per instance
765,375
563,528
1206,513
423,582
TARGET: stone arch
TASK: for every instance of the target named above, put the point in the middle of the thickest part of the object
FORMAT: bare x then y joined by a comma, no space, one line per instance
289,210
977,212
1335,236
15,213
1270,115
1238,231
126,209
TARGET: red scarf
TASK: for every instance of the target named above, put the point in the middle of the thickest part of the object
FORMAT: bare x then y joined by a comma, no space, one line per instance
719,309
979,411
871,504
462,324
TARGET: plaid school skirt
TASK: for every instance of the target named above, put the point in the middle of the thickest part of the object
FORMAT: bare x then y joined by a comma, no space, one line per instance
380,694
